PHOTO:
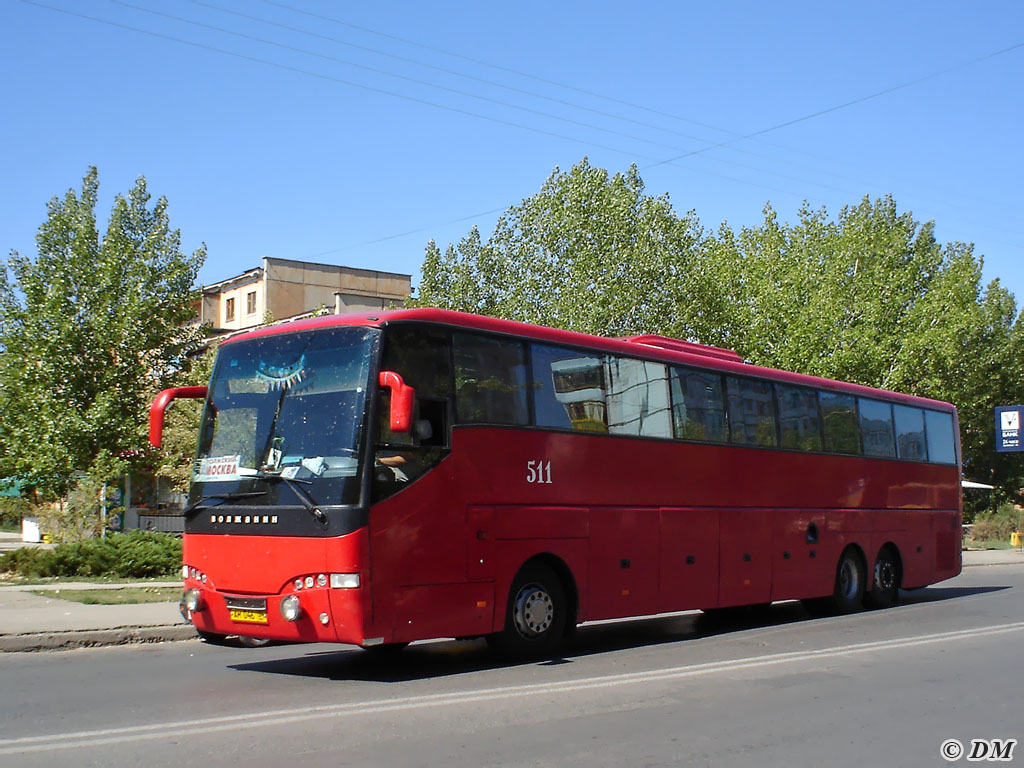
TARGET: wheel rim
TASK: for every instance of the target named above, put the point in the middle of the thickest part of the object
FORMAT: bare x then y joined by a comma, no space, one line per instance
885,575
533,611
848,580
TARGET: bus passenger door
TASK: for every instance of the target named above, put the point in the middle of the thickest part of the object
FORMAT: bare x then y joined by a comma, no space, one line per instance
688,559
745,565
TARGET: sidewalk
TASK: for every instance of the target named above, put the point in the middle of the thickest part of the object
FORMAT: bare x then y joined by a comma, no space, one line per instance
31,622
9,541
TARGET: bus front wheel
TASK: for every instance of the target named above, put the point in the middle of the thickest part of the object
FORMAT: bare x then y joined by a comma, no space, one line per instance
212,638
535,616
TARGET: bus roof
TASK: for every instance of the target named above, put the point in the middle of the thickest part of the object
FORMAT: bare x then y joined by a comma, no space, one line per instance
648,346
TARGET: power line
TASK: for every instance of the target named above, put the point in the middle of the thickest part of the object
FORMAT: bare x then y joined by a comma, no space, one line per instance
459,92
490,65
586,142
730,145
321,76
482,116
446,70
852,102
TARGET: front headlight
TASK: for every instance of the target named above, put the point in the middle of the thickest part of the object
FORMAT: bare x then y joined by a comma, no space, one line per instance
192,600
290,608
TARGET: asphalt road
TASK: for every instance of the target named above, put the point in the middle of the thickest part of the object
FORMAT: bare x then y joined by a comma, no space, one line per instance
876,688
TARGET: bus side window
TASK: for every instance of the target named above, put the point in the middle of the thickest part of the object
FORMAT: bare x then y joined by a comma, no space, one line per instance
941,444
421,356
799,419
751,407
569,389
698,406
909,433
638,399
490,380
839,418
876,428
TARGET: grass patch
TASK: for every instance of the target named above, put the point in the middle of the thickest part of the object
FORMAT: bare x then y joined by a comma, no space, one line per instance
990,544
125,596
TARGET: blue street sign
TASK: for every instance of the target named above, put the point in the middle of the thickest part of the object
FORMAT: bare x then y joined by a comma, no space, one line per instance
1009,421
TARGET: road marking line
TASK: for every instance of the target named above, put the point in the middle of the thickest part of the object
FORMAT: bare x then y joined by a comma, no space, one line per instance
175,729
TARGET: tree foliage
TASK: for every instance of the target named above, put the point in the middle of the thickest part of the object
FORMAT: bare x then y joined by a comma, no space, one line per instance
585,234
869,297
88,329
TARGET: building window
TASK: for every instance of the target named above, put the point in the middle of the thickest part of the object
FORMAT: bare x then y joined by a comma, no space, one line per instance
250,303
229,310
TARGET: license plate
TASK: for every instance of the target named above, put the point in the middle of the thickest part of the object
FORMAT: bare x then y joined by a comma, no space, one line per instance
248,617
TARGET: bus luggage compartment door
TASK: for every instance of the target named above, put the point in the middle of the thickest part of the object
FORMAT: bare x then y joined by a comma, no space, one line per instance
688,559
745,567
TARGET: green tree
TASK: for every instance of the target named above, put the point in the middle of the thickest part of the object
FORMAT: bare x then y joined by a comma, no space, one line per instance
589,252
88,329
873,298
870,297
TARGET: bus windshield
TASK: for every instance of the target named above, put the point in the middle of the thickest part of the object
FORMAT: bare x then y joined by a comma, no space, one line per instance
288,406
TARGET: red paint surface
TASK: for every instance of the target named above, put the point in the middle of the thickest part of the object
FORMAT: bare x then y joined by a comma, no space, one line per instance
623,515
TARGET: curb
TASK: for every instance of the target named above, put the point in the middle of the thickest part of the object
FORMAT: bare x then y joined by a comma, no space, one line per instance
96,638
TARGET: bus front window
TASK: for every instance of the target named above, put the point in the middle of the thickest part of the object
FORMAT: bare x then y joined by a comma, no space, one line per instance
289,406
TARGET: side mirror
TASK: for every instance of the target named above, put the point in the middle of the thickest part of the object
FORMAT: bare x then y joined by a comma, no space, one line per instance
160,404
402,398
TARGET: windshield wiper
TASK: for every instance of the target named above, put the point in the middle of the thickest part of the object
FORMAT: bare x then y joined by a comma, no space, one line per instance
200,504
295,487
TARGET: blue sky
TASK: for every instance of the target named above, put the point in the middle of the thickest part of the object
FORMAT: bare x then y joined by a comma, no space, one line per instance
352,133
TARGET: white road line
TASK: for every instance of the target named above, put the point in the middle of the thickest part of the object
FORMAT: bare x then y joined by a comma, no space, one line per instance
178,728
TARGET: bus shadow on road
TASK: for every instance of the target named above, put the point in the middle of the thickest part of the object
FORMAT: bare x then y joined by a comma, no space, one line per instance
436,659
937,594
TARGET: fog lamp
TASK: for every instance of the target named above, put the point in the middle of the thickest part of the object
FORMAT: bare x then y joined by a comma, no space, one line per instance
192,600
290,608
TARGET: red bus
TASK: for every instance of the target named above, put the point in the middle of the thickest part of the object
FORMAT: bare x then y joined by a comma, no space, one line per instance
382,478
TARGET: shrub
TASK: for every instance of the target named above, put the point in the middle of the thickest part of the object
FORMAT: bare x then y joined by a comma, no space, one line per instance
11,512
136,554
998,525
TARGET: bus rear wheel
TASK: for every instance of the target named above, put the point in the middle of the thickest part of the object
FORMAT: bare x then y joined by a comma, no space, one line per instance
848,596
886,588
535,616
